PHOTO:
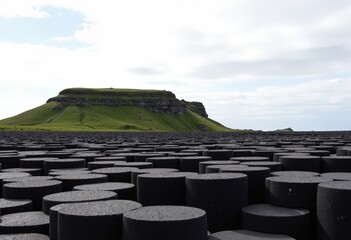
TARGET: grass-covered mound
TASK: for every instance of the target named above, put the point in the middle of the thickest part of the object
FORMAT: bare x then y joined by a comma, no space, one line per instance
89,110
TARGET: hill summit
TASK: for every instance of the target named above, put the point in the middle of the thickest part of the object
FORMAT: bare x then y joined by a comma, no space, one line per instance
109,109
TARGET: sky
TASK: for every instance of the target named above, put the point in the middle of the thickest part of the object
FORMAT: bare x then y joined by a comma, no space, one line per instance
254,64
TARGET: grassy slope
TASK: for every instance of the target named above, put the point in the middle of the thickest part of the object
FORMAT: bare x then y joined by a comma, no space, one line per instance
98,118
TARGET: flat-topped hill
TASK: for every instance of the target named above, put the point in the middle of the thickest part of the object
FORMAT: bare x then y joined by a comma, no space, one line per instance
154,100
109,109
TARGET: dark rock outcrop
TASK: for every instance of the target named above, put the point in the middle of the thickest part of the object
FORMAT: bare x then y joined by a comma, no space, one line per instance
154,100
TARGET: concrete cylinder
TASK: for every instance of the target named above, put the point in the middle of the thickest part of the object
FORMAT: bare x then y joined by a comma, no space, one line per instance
124,191
294,192
256,177
93,220
116,174
336,164
334,210
301,163
165,222
8,206
219,154
167,188
268,218
204,165
25,222
33,190
164,162
71,180
191,164
221,195
74,197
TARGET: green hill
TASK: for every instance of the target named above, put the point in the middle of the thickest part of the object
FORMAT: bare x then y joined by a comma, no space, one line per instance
114,110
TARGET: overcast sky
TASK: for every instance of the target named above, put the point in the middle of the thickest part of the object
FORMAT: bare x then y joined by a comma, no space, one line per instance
255,64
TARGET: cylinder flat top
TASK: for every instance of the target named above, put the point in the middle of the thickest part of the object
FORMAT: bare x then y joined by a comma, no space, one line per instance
79,196
108,186
345,176
167,175
295,173
217,176
24,236
339,185
101,208
33,184
297,157
114,170
273,211
155,170
79,176
24,219
165,213
247,235
5,203
244,168
299,179
4,175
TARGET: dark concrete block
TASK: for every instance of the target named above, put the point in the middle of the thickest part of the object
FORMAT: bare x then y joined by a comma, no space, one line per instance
336,164
34,162
164,162
63,164
166,188
319,153
268,218
71,180
219,154
277,156
165,222
256,177
143,156
295,173
25,222
216,168
301,163
140,165
10,161
221,195
8,206
120,159
93,220
273,166
338,176
33,190
31,171
135,173
250,159
74,197
70,171
130,156
116,174
100,164
87,156
204,165
124,191
294,192
334,210
191,163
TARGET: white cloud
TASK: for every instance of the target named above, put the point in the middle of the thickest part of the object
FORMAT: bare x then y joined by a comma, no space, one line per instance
200,50
21,8
306,106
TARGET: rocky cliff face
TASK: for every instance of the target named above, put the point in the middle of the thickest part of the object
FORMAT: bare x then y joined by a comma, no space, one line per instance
154,100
